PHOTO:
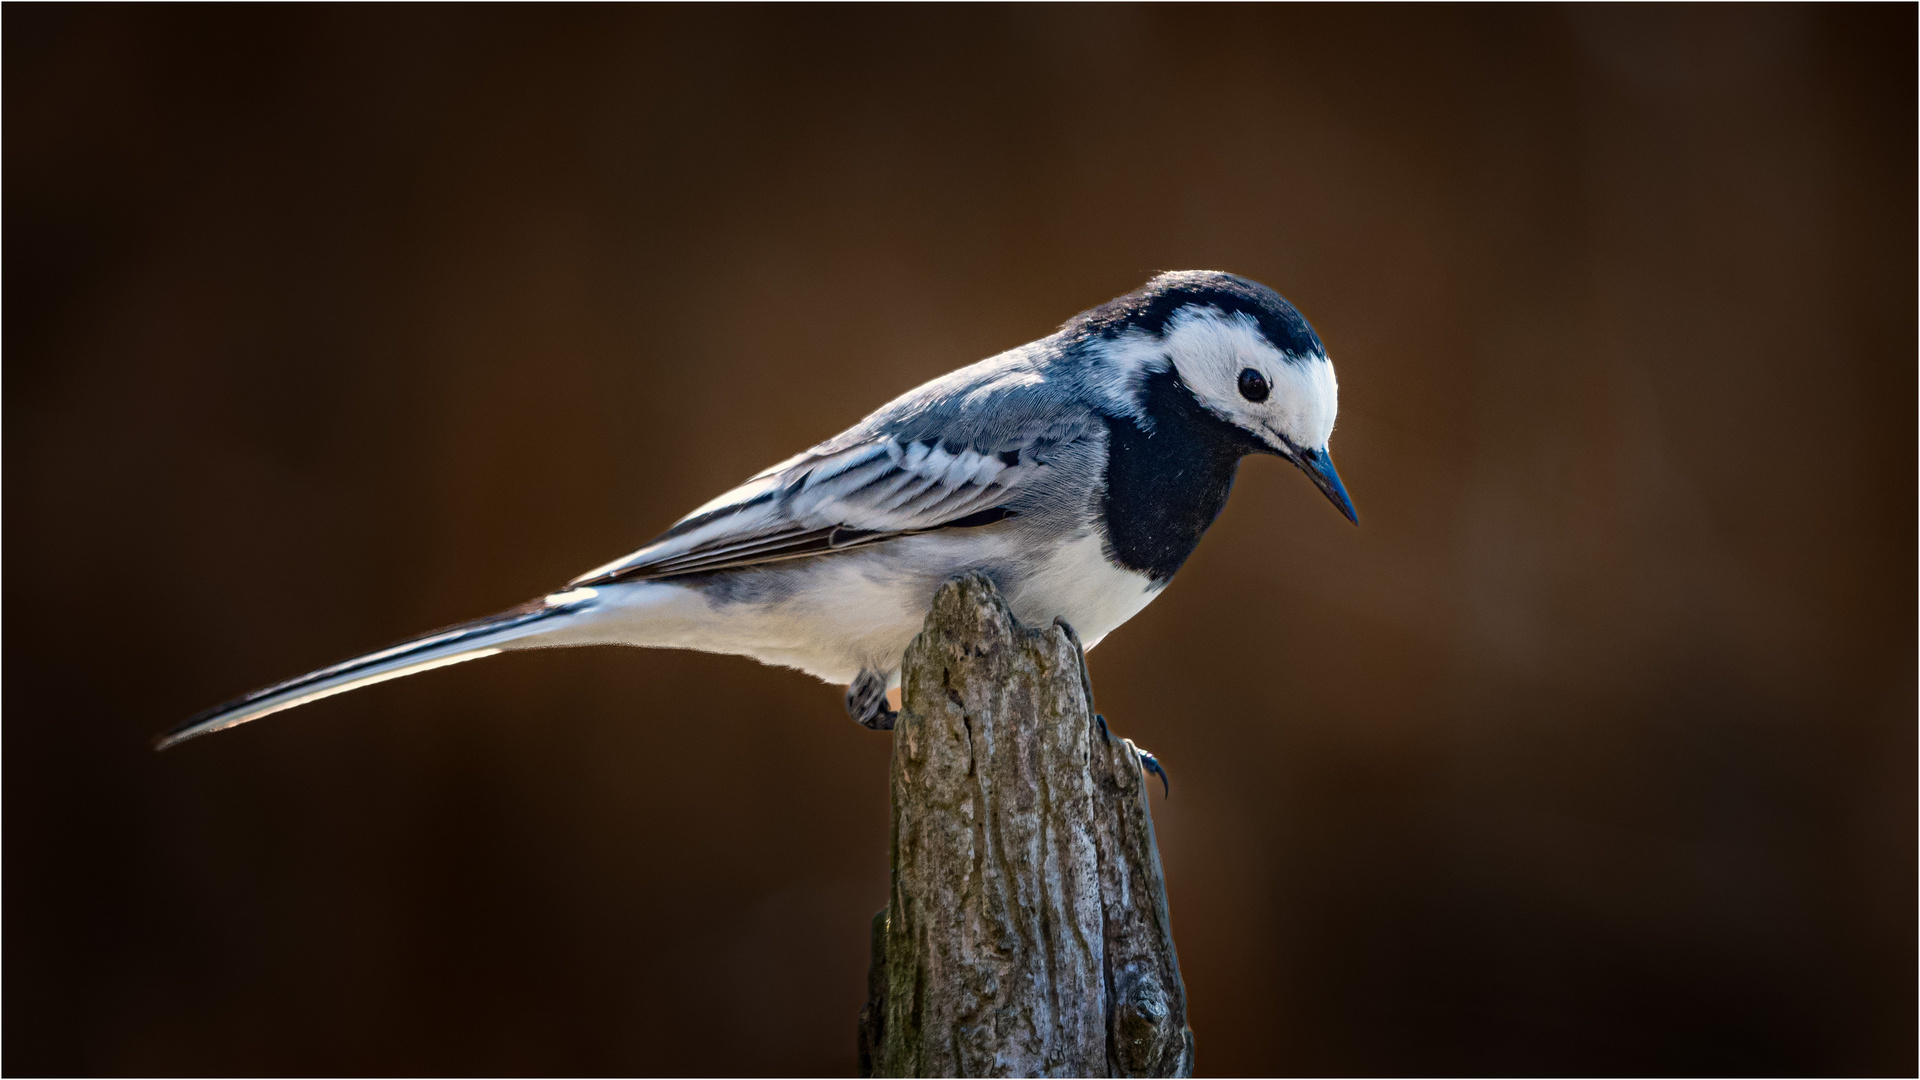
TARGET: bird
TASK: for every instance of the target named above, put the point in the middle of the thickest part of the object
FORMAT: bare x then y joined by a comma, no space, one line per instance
1077,472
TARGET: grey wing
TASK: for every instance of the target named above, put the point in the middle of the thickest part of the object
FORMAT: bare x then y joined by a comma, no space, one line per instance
862,488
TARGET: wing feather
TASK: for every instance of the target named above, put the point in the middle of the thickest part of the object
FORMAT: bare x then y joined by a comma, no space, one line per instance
842,496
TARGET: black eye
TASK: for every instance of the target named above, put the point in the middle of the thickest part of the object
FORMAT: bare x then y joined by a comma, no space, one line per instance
1253,385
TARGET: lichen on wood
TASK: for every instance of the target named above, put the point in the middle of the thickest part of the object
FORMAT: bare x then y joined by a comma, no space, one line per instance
1026,933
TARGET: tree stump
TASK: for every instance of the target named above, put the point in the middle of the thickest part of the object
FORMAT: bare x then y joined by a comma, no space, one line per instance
1026,933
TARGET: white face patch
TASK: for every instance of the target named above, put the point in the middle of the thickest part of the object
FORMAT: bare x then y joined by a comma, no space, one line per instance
1210,349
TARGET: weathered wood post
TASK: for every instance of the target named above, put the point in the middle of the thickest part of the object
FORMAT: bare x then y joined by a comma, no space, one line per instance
1026,933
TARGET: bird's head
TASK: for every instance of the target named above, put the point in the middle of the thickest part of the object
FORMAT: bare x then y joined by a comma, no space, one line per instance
1244,354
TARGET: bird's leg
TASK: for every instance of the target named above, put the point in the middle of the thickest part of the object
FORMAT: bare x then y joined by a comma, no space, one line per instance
867,701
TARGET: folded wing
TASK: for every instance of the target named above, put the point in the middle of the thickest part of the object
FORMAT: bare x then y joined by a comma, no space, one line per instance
842,496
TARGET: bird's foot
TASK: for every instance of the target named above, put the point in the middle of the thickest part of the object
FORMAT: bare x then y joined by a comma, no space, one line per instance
867,701
1151,764
1148,762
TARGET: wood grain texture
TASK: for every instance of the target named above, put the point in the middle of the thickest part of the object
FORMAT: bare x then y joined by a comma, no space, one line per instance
1027,931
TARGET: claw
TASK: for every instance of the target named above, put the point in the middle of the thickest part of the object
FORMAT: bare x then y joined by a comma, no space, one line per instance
1151,764
1147,760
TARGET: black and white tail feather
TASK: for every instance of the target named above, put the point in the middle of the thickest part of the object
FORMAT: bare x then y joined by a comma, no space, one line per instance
516,628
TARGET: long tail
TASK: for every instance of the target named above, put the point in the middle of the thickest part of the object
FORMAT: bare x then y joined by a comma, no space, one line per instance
527,626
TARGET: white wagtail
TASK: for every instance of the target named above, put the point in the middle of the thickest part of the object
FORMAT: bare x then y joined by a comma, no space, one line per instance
1077,472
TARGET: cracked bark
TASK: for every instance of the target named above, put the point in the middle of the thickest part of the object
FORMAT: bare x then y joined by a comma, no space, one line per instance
1026,933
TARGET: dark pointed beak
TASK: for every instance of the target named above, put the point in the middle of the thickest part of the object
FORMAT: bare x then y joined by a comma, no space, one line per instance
1318,465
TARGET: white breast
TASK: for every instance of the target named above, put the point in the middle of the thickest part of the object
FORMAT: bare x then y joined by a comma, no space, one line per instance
1079,584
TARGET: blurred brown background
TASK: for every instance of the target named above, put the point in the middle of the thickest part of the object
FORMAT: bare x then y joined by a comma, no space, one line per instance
1592,751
